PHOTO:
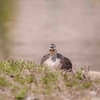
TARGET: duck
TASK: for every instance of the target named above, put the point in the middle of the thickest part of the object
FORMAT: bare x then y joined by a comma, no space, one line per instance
55,60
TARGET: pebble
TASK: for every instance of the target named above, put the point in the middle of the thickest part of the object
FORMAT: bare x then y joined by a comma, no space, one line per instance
31,97
95,98
93,93
66,99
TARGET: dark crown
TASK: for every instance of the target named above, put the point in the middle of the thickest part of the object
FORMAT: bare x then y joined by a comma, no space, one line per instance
52,45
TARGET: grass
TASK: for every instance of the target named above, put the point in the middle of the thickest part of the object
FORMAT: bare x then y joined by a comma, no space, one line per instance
22,78
3,81
21,94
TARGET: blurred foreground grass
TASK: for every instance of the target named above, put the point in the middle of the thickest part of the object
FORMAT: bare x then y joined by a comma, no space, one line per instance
29,81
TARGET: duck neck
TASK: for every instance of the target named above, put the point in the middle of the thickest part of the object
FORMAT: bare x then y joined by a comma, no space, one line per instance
53,55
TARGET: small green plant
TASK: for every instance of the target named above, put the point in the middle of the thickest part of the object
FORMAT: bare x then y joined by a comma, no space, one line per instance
87,85
3,81
19,79
14,87
21,94
79,73
29,79
97,80
50,77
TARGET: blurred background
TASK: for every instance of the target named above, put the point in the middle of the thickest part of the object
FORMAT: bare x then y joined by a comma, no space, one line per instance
28,27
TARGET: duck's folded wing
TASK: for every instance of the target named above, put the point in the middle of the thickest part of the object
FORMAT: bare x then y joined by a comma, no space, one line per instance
44,58
65,63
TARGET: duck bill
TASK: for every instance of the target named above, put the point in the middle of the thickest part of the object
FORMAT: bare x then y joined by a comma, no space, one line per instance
51,49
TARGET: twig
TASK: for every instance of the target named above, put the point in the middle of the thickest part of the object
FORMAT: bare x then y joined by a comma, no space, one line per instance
8,58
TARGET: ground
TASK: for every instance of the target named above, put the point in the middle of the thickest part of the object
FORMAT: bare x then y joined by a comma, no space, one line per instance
29,81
